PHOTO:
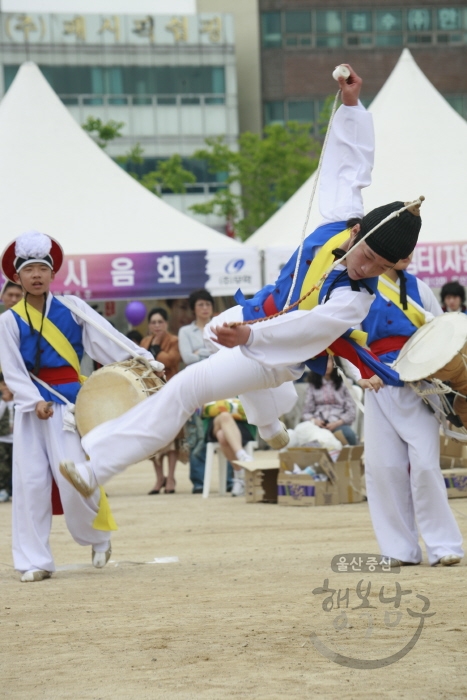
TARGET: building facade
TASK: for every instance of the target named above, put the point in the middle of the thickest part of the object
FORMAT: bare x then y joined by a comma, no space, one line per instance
302,40
171,79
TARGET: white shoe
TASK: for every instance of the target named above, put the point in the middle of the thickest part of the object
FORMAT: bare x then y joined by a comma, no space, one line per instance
4,496
100,559
69,471
280,439
35,575
449,560
238,487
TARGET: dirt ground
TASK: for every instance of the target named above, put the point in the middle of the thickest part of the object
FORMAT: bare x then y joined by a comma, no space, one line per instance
235,616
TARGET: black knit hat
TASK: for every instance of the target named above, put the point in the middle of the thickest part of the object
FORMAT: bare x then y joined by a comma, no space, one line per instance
397,238
454,289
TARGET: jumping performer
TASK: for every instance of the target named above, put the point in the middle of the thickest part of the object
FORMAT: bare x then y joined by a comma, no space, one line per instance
42,344
266,355
405,486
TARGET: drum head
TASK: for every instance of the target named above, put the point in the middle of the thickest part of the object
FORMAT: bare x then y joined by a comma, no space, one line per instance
108,393
432,347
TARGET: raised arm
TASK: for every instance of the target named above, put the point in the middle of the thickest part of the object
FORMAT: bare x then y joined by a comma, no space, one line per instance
349,156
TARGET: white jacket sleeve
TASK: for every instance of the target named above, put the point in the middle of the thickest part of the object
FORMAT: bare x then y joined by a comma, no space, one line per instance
300,335
97,345
347,164
17,378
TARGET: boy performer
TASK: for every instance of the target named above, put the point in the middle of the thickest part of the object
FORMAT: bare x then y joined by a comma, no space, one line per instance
405,486
42,338
266,355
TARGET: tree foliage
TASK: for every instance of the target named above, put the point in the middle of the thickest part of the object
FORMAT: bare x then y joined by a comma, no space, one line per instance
169,174
265,170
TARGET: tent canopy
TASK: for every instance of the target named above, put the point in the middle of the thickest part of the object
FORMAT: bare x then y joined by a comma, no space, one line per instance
421,148
55,179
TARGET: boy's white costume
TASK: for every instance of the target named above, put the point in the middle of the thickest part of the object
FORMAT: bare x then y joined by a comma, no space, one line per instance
277,349
40,445
405,486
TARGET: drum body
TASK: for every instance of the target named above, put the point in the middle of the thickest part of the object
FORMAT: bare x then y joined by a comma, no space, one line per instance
113,390
438,350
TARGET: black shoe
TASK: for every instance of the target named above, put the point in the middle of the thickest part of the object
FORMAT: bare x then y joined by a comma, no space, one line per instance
197,489
154,491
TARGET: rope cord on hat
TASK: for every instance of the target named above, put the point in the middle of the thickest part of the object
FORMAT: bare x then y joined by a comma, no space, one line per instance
310,203
393,215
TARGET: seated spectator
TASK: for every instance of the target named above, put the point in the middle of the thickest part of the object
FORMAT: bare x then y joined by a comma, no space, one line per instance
6,441
453,297
164,347
226,423
328,402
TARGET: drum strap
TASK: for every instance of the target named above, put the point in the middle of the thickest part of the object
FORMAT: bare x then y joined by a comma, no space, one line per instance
51,334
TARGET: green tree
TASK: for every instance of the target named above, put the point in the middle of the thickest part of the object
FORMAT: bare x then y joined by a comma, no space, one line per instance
169,174
265,171
102,132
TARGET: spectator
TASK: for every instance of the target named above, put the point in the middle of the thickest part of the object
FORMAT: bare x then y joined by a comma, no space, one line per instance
164,348
328,402
6,441
453,297
180,314
225,422
135,336
192,349
11,294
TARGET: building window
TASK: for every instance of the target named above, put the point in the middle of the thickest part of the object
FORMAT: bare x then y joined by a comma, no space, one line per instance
271,29
336,27
274,113
298,22
302,111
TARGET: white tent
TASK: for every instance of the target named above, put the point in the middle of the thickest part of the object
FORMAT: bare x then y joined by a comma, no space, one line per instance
54,178
421,148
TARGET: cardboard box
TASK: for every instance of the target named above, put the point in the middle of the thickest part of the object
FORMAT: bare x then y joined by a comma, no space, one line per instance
260,480
452,448
453,462
456,483
303,489
346,471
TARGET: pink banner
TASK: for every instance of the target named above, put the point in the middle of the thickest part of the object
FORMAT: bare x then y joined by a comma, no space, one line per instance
438,263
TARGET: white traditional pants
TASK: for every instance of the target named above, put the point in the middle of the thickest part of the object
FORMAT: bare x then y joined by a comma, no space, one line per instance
38,448
405,486
154,423
263,406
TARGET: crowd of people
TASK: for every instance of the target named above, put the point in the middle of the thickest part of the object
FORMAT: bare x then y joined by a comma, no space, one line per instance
238,378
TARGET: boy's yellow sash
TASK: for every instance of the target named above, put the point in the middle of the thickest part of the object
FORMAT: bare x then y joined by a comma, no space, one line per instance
51,334
104,519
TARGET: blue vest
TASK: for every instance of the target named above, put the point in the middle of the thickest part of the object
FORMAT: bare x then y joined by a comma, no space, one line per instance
253,308
62,318
386,319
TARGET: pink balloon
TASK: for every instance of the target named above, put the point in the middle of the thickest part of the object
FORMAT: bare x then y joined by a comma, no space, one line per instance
135,312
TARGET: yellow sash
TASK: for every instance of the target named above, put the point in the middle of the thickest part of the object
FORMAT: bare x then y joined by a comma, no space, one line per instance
413,314
51,334
104,519
321,262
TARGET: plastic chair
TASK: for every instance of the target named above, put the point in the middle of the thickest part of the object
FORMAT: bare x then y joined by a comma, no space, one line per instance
211,449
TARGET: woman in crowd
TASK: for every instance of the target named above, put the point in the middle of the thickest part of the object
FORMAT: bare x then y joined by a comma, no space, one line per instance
328,402
164,347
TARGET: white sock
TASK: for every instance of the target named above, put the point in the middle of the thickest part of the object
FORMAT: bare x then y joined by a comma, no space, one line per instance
239,474
268,431
243,456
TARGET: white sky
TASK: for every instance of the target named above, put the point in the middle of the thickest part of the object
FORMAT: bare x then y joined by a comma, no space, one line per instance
115,7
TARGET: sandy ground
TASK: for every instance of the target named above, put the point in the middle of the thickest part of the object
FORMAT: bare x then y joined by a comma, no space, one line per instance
234,617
